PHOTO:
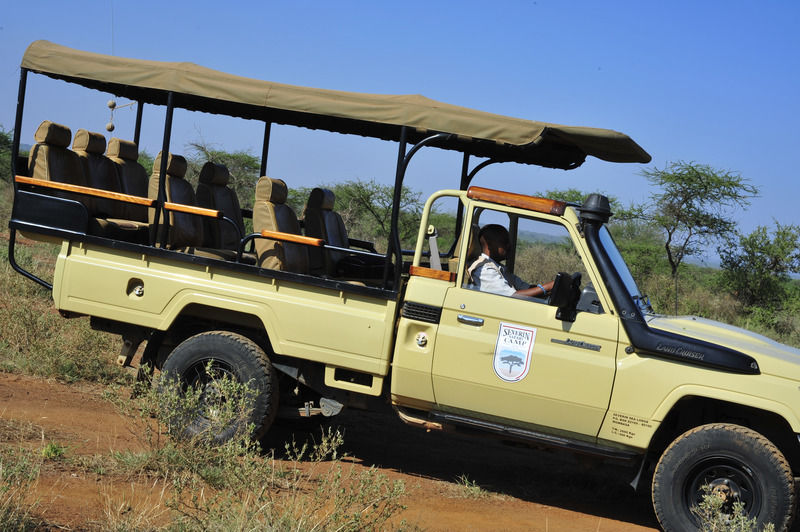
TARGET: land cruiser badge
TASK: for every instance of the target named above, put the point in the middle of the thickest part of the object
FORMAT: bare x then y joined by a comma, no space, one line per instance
512,353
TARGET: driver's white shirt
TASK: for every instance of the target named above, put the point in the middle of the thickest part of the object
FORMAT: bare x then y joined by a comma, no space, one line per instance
489,276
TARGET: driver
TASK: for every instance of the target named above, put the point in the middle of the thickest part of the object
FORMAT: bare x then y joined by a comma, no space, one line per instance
488,275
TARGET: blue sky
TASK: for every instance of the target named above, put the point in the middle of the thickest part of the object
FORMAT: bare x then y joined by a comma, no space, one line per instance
714,82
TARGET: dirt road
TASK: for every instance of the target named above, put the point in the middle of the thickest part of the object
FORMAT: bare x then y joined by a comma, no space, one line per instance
522,489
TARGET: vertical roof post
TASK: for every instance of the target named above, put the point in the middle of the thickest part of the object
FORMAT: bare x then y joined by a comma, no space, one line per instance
265,148
394,238
162,173
137,130
23,82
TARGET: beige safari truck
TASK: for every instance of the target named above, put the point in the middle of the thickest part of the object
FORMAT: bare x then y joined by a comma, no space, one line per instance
315,321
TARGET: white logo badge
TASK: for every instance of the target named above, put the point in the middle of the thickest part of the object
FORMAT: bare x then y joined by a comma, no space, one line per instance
512,353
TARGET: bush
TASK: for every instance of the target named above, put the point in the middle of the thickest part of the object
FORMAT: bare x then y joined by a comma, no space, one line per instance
716,514
237,486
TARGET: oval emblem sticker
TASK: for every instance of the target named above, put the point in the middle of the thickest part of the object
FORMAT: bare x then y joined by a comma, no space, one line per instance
512,352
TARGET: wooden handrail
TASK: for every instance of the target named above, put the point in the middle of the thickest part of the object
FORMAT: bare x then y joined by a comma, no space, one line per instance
191,209
522,201
127,198
290,237
430,273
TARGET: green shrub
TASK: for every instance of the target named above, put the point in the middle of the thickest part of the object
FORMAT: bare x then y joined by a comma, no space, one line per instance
717,514
235,485
53,451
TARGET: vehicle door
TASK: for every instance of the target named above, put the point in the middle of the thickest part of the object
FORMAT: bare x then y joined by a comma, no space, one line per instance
509,359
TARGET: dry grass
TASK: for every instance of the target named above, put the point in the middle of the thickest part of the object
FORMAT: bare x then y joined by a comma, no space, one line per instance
540,262
34,338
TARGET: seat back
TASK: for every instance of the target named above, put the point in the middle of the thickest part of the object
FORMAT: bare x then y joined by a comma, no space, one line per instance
185,230
132,175
321,221
99,172
473,249
213,193
271,213
50,159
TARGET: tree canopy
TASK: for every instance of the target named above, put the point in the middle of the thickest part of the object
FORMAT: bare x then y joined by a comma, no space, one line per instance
756,266
694,205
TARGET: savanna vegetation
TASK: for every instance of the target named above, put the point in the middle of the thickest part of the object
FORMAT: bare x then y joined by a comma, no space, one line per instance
692,209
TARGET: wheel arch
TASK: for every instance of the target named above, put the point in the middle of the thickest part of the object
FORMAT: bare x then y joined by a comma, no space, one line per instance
195,317
694,410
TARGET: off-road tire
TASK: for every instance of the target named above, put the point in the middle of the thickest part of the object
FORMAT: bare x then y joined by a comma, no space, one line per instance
240,358
732,457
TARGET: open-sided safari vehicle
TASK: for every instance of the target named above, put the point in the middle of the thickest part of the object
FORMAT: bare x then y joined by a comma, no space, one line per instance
315,321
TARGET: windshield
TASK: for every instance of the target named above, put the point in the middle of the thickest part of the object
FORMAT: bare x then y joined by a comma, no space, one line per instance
642,301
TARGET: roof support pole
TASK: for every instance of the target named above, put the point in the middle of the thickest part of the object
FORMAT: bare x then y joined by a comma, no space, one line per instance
403,159
12,236
460,211
162,173
137,129
394,237
23,83
265,148
466,179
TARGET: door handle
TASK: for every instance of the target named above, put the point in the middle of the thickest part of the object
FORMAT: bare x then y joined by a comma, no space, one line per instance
470,320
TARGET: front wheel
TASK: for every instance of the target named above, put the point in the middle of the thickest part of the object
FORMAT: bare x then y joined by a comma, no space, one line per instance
204,362
729,461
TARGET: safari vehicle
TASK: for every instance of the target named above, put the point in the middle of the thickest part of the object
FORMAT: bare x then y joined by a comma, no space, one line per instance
315,323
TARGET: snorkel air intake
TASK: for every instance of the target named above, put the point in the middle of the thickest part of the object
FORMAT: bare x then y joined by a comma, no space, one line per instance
596,209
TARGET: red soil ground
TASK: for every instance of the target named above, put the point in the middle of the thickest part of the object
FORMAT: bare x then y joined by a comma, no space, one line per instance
528,489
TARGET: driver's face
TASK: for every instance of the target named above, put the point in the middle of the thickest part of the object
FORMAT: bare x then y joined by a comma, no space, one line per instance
497,249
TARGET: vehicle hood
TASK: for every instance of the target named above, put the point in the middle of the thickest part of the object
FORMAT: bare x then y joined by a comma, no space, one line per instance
773,358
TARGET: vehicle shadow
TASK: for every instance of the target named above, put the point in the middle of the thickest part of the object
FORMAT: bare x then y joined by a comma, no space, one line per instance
545,477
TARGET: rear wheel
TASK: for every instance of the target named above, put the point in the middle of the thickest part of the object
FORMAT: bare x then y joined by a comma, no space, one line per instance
204,361
736,464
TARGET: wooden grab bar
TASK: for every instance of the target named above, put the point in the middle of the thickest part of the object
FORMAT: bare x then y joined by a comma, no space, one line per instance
421,271
127,198
290,237
190,209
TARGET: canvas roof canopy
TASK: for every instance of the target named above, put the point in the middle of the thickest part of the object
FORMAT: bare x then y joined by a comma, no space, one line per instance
373,115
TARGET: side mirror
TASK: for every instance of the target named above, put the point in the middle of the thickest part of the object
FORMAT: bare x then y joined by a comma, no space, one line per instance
565,295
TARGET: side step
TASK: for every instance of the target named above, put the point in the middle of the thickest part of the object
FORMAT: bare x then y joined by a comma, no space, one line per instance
445,421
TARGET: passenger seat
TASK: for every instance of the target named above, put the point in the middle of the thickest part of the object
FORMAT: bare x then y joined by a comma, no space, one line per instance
185,230
109,217
50,159
132,175
321,221
271,213
213,193
99,172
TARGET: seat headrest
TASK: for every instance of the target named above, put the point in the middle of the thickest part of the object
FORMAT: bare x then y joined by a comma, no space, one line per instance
124,149
321,198
474,249
214,174
53,134
271,190
89,142
176,165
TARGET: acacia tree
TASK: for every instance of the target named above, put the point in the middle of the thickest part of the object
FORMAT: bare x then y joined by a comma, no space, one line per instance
694,206
243,167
